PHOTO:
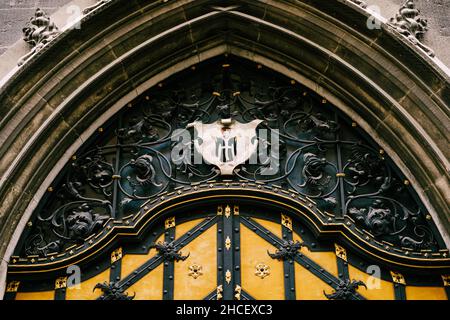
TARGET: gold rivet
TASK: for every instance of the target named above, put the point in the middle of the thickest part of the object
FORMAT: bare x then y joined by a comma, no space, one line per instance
50,189
160,84
259,66
324,101
29,223
292,81
225,65
129,105
147,98
381,151
354,124
305,93
100,129
428,217
406,182
74,157
193,68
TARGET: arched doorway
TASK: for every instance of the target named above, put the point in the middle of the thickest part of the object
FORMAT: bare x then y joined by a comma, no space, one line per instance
315,220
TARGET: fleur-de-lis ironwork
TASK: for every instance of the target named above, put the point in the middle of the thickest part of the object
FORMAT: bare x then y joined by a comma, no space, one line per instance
168,251
112,291
409,23
287,250
345,290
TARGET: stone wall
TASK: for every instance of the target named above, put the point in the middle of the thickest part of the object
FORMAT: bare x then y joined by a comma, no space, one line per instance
15,13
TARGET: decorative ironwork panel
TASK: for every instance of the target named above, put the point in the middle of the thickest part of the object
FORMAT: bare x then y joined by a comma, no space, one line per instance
308,147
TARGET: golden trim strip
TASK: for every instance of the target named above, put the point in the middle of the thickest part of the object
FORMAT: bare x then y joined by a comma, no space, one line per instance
238,195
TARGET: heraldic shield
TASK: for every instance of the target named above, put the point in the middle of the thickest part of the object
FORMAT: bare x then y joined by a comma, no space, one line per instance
226,143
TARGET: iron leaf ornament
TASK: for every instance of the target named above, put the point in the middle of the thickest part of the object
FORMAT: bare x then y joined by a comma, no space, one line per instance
111,291
287,251
410,24
38,31
345,290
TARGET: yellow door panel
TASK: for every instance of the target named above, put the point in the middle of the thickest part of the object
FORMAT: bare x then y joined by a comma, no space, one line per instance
425,293
150,287
85,291
273,227
131,262
42,295
308,286
185,227
253,253
327,260
196,276
384,292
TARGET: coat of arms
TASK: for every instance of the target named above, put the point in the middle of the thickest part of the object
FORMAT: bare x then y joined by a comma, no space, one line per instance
226,143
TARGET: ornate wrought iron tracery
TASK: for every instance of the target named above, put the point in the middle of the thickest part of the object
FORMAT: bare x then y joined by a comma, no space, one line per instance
322,156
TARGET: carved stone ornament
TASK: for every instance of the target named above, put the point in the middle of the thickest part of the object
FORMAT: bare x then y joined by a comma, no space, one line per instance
226,143
37,33
409,23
